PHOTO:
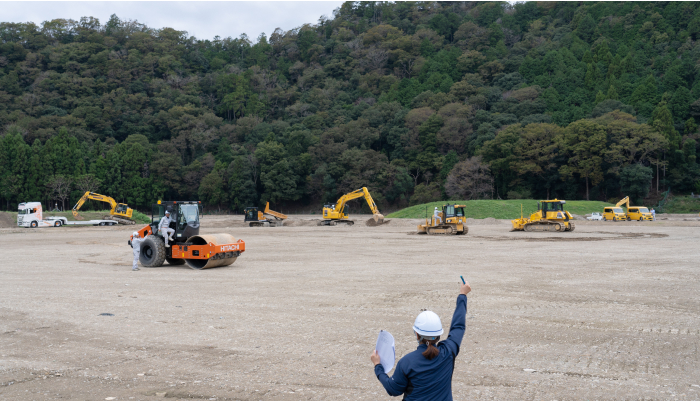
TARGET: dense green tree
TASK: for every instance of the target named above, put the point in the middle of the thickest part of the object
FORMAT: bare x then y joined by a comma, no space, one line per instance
391,96
635,180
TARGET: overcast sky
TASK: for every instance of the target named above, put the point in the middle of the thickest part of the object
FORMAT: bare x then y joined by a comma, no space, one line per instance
201,19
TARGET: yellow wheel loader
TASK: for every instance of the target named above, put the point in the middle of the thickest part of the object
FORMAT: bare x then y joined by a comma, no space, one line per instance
550,216
268,218
335,214
449,221
119,212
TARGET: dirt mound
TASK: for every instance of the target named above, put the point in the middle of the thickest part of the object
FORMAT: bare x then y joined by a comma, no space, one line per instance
300,223
372,223
8,220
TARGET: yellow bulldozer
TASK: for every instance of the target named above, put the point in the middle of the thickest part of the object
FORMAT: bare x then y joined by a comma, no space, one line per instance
550,216
268,218
450,221
119,212
335,214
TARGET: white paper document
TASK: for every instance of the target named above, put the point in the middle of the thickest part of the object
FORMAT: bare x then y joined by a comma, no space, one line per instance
385,349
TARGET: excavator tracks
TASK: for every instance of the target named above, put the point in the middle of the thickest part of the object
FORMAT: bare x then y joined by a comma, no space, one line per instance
119,220
335,222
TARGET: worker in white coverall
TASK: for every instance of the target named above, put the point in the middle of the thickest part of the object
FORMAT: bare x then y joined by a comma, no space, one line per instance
165,230
437,215
136,241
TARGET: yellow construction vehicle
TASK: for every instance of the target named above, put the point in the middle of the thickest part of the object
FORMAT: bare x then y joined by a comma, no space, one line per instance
449,221
335,214
268,218
550,216
616,213
633,212
119,212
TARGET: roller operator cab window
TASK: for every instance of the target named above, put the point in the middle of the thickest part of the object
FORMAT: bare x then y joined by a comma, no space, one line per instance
449,211
189,214
158,213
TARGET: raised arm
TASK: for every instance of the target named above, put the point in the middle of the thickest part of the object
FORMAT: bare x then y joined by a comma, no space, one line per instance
458,326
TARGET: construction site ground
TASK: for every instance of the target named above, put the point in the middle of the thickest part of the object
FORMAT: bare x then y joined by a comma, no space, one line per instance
608,312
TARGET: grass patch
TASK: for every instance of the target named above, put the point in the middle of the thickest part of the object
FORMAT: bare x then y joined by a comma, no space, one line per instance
682,204
140,217
499,209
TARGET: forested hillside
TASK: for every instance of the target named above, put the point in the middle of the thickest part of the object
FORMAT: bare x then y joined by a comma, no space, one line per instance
418,101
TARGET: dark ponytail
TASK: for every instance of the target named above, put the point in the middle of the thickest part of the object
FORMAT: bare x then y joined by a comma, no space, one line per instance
432,350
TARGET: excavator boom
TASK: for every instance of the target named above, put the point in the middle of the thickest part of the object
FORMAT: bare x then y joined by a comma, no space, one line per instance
624,201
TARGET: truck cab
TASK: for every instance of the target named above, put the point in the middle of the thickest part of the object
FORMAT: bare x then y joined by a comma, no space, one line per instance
638,213
614,214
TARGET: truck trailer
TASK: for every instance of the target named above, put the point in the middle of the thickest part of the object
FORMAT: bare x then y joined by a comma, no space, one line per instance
30,214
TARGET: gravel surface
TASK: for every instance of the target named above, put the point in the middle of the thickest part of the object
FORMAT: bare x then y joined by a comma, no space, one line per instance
610,311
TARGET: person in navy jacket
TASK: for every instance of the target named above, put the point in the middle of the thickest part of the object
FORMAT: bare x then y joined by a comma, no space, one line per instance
426,373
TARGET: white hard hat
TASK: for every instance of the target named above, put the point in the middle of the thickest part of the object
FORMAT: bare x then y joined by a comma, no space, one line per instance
135,234
435,207
428,324
167,212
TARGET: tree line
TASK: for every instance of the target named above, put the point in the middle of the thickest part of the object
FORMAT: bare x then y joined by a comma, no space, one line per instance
418,101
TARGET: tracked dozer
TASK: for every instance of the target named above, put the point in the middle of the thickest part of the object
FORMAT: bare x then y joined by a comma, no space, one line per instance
450,221
198,251
550,216
268,218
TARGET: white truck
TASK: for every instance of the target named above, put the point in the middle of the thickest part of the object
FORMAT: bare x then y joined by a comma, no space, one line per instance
30,214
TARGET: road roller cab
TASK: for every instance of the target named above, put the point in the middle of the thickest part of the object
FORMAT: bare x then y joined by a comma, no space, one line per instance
198,251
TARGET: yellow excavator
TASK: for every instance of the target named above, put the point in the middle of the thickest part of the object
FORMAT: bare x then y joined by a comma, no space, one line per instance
268,218
335,214
550,216
119,212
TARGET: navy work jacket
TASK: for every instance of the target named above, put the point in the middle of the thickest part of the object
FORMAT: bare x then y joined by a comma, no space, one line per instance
422,379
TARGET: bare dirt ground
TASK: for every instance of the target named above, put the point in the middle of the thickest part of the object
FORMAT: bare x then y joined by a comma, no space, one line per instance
608,312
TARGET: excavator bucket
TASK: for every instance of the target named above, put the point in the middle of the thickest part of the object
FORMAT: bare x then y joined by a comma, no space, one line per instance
376,220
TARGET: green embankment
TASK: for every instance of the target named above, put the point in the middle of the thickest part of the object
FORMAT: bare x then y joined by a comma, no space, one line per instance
499,209
682,204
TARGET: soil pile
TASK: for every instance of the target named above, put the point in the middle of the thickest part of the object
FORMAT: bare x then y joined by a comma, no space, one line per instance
372,223
8,220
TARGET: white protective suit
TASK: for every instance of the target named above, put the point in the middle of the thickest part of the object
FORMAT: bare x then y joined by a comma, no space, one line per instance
165,230
437,215
136,244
